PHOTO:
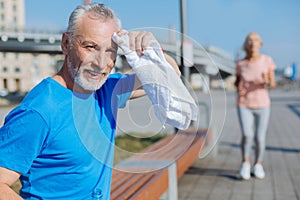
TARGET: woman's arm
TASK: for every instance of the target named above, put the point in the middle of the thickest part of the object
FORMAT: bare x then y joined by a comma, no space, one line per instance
237,80
272,82
269,78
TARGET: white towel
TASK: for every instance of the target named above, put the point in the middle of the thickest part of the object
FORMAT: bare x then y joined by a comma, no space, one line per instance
172,102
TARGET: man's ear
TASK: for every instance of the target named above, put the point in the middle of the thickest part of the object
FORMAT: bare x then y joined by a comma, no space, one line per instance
65,42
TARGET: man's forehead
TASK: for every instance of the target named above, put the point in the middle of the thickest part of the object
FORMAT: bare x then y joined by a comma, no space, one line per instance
96,31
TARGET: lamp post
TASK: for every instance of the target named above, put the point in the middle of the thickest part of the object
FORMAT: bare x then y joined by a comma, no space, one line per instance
186,49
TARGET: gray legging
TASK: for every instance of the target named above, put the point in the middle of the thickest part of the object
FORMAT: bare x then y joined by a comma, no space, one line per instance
254,124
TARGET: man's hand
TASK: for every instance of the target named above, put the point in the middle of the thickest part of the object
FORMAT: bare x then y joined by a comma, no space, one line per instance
140,41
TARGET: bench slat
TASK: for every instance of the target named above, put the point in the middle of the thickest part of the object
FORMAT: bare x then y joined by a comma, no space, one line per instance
136,186
125,179
152,181
121,187
154,188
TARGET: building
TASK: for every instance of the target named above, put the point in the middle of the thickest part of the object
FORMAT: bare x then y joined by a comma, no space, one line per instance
19,72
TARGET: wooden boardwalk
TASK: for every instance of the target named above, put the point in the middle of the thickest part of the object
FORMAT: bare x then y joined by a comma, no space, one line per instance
216,177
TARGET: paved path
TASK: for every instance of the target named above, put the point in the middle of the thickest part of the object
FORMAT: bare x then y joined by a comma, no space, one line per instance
216,177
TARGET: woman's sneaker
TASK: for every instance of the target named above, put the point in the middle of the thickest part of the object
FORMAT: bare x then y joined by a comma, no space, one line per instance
245,170
258,171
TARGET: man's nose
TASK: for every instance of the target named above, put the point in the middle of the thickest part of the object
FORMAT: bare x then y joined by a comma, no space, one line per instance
101,60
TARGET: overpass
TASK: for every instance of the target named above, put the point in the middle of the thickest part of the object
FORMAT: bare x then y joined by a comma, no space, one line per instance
30,42
208,60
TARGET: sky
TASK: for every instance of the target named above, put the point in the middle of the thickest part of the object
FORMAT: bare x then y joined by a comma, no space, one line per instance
220,23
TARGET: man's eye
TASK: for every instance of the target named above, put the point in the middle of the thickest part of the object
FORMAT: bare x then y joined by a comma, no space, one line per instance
90,46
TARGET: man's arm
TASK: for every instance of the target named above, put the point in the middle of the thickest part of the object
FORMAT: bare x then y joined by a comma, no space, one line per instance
139,92
7,178
173,64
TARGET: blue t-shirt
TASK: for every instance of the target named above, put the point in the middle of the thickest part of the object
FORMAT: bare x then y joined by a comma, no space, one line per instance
62,142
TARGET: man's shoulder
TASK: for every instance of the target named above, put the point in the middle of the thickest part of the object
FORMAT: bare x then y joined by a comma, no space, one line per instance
47,89
46,96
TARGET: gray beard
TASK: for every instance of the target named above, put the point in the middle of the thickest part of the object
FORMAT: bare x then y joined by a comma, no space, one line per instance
79,79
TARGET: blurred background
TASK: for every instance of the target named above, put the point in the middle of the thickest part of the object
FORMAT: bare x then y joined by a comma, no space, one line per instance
214,31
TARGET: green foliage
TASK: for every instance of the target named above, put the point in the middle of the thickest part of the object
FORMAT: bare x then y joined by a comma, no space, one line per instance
135,144
128,144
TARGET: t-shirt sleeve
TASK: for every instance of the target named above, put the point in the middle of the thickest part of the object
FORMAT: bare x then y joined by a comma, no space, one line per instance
123,88
21,139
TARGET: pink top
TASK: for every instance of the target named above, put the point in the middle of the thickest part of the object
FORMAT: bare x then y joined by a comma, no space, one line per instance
252,91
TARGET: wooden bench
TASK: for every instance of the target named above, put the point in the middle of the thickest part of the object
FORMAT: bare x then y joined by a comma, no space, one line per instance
150,173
